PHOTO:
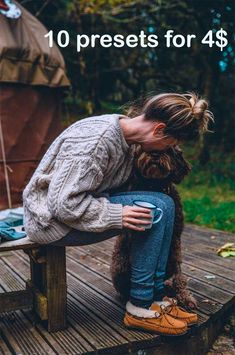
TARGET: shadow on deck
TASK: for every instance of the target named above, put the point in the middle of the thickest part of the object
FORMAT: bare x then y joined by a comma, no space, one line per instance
95,313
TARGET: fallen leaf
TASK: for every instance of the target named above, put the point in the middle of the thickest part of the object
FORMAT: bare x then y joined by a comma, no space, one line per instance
226,250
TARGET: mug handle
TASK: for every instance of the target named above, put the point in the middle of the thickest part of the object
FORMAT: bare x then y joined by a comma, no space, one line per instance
159,217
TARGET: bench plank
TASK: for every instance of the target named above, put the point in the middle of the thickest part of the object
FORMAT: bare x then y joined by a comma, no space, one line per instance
11,301
23,243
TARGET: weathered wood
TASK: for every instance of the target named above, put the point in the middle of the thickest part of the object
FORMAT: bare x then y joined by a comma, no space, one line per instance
203,253
23,337
95,313
23,243
217,281
207,230
104,286
4,349
56,287
49,278
193,345
47,284
11,301
208,267
79,288
35,338
37,272
40,305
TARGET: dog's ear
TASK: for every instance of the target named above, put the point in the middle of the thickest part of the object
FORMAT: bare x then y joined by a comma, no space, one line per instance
168,165
181,165
154,166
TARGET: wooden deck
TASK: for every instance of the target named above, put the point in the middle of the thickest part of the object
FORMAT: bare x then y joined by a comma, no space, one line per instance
95,313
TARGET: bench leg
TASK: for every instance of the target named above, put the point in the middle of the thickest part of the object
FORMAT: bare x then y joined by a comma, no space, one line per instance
56,288
48,281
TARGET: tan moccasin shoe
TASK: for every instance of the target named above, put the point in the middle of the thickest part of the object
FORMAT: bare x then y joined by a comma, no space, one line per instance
158,322
175,311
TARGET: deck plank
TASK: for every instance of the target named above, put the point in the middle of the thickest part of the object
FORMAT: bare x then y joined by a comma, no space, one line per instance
104,287
95,312
18,244
207,293
4,348
98,287
102,256
208,267
79,314
203,253
58,340
199,249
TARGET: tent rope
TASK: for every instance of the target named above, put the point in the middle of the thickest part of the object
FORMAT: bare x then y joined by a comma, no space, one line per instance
5,166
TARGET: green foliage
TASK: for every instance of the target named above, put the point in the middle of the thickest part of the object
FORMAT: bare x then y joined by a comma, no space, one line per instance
119,75
101,6
208,193
206,211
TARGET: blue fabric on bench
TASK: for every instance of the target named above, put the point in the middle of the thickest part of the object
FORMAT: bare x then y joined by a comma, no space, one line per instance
9,233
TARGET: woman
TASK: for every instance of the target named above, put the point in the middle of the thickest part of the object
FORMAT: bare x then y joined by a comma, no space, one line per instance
66,202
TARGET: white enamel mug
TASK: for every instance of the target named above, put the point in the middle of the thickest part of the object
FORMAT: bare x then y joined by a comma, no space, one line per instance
156,213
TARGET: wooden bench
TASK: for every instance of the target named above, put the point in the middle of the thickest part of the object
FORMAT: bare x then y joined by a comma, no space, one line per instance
46,290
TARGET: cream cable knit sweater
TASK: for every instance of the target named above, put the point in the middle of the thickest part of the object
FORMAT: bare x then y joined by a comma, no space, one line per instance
89,157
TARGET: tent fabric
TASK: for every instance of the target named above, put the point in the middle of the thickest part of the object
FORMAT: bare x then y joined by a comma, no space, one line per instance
25,56
30,117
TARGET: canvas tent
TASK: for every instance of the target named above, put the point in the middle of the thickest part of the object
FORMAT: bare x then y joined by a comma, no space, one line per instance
32,76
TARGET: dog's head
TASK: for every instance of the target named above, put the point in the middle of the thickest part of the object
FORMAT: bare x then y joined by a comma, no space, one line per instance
166,166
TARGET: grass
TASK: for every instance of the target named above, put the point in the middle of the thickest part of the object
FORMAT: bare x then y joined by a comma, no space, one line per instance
208,193
206,208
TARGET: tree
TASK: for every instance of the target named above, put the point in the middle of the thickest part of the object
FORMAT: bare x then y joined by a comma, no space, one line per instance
115,75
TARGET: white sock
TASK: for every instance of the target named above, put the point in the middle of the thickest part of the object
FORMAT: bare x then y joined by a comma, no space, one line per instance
165,303
140,312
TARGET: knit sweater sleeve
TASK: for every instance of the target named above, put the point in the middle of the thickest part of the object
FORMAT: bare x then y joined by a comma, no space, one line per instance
70,197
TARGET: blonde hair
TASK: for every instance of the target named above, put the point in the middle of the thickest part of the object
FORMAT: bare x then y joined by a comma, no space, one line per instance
186,115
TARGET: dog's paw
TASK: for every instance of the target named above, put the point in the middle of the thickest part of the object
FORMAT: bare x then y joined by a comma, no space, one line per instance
188,302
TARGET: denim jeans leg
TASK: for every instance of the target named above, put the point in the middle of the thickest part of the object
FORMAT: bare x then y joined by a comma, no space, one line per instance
145,246
160,274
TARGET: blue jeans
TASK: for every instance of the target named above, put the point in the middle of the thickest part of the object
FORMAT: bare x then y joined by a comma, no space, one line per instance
149,249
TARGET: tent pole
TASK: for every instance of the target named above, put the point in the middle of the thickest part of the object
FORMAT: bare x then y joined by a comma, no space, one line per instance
5,166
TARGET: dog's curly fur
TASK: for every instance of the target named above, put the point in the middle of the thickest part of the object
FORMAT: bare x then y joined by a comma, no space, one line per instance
158,171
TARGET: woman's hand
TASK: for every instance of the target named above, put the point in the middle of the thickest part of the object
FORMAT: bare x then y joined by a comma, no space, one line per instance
132,217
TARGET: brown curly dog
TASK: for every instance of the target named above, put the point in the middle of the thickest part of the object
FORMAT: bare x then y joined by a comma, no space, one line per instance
158,171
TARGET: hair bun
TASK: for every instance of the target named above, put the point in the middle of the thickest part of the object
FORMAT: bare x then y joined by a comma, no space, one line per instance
198,107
